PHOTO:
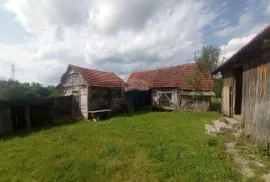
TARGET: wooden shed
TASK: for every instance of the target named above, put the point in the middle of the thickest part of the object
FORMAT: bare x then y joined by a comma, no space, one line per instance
168,88
246,89
95,91
24,115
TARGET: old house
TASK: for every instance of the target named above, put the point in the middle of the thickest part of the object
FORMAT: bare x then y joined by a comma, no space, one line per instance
246,89
168,88
96,91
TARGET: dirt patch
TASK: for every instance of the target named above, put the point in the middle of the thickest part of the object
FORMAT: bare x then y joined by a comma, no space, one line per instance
239,160
266,177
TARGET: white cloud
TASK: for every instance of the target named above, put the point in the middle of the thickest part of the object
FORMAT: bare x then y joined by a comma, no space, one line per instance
120,36
222,23
249,19
248,26
267,11
245,18
244,26
234,45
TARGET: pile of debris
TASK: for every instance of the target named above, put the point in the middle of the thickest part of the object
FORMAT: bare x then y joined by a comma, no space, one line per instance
224,124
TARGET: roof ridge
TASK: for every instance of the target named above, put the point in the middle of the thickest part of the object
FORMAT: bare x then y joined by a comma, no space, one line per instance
180,65
90,69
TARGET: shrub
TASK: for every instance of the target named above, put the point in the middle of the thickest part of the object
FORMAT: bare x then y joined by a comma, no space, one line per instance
262,150
215,104
212,142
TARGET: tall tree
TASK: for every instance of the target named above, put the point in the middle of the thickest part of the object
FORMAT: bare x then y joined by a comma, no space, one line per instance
206,60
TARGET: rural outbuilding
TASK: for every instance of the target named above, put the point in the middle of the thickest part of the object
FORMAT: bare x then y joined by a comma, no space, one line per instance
168,88
24,115
95,91
246,89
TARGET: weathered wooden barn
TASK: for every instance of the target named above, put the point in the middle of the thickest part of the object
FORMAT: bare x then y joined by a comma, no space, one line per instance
168,88
18,115
96,91
246,89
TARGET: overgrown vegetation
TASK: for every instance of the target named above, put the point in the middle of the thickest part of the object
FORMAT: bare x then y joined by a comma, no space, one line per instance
137,147
14,90
256,154
215,104
206,60
218,85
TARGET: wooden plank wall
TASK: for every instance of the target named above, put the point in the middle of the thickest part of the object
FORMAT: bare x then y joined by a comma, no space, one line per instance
75,85
182,103
155,94
189,103
5,120
256,100
99,98
102,98
228,82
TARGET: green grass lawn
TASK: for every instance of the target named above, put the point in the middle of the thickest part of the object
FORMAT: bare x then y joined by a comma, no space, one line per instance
155,146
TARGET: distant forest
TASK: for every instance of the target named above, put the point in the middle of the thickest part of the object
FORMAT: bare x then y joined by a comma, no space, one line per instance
16,91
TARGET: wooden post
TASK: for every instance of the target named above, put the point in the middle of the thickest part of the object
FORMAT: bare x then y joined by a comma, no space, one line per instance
27,115
109,98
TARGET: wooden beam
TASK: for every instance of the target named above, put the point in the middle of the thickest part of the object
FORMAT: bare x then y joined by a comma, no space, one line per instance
170,100
159,96
92,93
27,115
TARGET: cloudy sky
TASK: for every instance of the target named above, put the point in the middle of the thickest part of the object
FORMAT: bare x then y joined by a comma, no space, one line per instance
43,36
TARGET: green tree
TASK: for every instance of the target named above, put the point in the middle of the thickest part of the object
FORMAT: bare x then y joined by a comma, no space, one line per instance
53,91
218,85
208,59
16,91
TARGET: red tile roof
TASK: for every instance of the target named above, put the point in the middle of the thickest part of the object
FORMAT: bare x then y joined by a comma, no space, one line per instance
99,78
170,77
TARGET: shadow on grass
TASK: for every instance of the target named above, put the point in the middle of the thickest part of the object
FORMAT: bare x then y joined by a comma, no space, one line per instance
137,112
26,133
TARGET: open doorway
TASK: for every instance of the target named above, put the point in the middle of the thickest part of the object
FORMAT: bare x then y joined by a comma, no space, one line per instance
238,75
18,118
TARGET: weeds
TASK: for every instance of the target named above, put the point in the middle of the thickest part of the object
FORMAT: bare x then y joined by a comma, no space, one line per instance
212,142
262,150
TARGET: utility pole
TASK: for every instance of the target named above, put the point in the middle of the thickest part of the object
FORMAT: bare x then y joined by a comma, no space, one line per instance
13,71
